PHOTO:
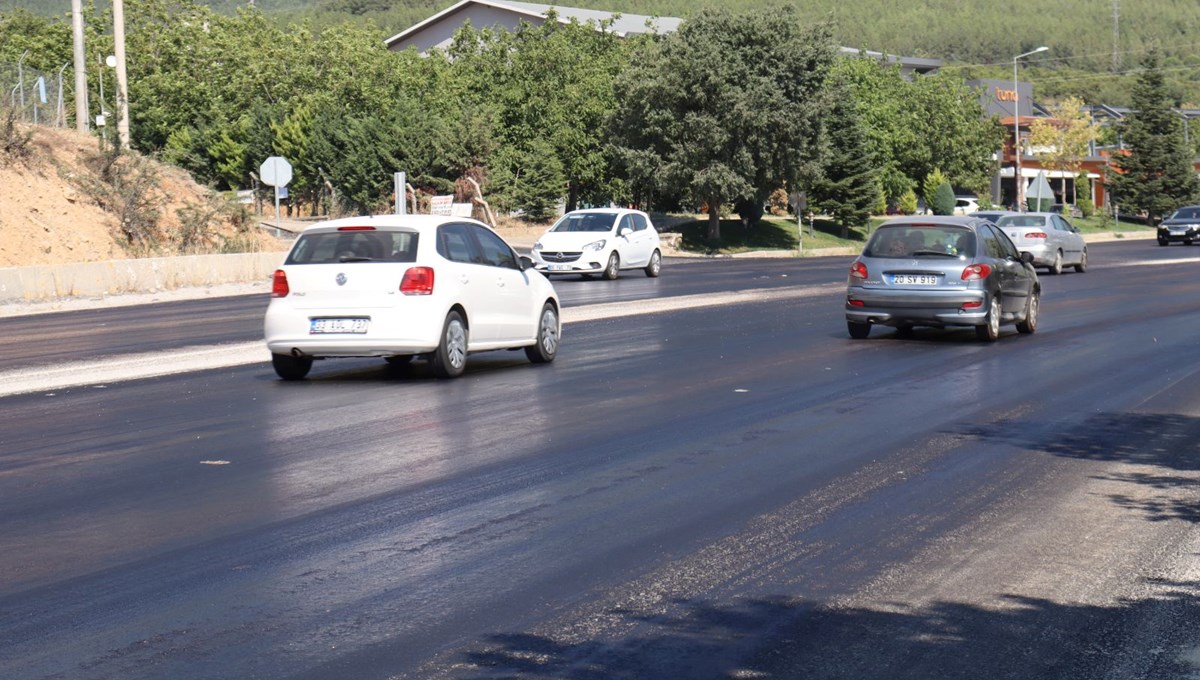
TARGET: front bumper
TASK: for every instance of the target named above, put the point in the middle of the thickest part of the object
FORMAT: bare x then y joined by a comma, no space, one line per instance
586,263
1186,233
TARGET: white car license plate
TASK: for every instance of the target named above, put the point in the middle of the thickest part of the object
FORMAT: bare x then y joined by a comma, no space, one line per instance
915,280
559,267
338,326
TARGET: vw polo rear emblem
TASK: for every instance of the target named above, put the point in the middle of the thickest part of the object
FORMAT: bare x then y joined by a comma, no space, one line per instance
341,279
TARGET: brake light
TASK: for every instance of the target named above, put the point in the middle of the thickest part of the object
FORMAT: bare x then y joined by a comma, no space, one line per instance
356,228
858,270
1035,234
856,303
973,305
417,281
279,284
976,272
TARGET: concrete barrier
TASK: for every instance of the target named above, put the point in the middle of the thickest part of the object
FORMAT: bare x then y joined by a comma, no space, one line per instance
112,277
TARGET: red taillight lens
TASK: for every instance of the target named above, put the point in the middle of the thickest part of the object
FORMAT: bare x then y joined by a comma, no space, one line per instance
417,281
976,272
1035,234
856,303
973,305
858,270
279,284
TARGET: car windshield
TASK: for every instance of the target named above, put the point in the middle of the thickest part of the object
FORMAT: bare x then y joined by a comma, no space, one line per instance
1022,221
585,222
368,245
926,240
1186,214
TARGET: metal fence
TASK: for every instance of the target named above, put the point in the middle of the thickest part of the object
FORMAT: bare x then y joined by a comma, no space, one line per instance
38,97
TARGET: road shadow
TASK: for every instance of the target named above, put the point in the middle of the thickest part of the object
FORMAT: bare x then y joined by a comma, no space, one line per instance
1020,637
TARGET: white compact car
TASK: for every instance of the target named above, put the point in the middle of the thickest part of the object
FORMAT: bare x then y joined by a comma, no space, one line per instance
397,287
599,241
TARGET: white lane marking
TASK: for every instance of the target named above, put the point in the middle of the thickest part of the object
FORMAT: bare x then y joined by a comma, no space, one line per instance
1152,263
103,371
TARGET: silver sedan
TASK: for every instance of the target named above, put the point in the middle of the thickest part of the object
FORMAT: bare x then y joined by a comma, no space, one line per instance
941,271
1049,237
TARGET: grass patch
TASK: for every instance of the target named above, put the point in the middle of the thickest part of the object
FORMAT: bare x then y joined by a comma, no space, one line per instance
769,233
1104,224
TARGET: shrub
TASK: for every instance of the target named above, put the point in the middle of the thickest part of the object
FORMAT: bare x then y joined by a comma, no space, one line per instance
777,203
127,186
929,188
943,200
908,203
14,141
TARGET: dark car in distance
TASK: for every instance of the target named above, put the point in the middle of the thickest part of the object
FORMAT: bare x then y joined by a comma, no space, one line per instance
941,272
1182,226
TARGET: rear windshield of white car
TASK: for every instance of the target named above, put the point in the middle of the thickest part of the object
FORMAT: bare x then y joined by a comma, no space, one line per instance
910,240
1022,221
332,247
585,222
1186,214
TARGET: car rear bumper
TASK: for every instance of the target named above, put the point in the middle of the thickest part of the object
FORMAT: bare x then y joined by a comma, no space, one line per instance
928,308
414,330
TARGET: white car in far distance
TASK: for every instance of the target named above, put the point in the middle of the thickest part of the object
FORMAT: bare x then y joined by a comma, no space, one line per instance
599,241
1049,237
405,286
965,205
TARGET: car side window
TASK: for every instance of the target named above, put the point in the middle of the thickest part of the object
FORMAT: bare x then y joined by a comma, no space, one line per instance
1005,244
990,243
495,251
639,222
626,221
1062,224
454,243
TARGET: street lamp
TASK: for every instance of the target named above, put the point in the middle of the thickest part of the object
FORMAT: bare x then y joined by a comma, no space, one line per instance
1018,183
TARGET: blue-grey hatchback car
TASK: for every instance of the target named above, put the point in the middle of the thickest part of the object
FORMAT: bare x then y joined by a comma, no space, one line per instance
940,272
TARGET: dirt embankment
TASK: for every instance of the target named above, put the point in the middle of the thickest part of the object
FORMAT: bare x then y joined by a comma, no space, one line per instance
47,218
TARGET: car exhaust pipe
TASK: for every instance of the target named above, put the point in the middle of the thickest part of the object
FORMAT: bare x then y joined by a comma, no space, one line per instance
297,353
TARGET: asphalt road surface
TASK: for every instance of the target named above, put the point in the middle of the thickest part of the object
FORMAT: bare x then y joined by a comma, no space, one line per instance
733,491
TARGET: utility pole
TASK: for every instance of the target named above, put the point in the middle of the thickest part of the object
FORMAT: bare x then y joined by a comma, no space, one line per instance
81,98
1116,55
118,7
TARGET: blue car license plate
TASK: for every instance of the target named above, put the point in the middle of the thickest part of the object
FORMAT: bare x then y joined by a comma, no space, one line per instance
319,326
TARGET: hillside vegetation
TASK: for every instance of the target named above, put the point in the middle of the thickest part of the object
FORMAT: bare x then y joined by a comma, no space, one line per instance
977,38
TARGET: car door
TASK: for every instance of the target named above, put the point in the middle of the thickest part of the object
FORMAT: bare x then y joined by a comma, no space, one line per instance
626,239
509,294
468,276
1016,279
1072,241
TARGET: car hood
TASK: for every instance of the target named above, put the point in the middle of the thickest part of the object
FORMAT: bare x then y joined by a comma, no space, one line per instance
1181,222
571,240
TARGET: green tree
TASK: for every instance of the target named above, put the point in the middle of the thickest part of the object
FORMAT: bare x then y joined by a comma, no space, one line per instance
1156,175
848,188
530,180
1064,138
929,187
725,108
943,200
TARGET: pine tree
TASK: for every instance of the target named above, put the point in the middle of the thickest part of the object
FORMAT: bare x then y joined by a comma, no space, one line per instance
1157,175
849,186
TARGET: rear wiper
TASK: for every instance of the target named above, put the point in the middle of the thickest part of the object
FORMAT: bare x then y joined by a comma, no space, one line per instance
933,252
355,258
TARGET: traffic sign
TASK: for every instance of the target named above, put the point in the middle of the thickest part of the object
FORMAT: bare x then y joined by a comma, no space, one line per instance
276,171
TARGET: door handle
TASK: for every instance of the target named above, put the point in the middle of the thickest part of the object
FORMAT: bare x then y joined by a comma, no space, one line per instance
463,278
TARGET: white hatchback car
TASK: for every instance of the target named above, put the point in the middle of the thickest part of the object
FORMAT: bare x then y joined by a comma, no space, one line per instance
599,241
396,287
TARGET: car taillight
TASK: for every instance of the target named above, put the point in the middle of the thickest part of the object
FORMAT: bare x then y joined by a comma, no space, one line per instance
279,284
417,281
973,305
1035,234
858,270
976,272
856,303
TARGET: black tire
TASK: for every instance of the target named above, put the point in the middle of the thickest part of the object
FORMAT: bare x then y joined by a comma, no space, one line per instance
450,358
1028,325
289,367
546,347
613,270
904,332
857,330
1163,242
399,359
1056,266
654,267
990,330
1082,266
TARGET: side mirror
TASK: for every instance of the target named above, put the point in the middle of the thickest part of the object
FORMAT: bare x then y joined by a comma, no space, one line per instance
525,262
624,231
1027,258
